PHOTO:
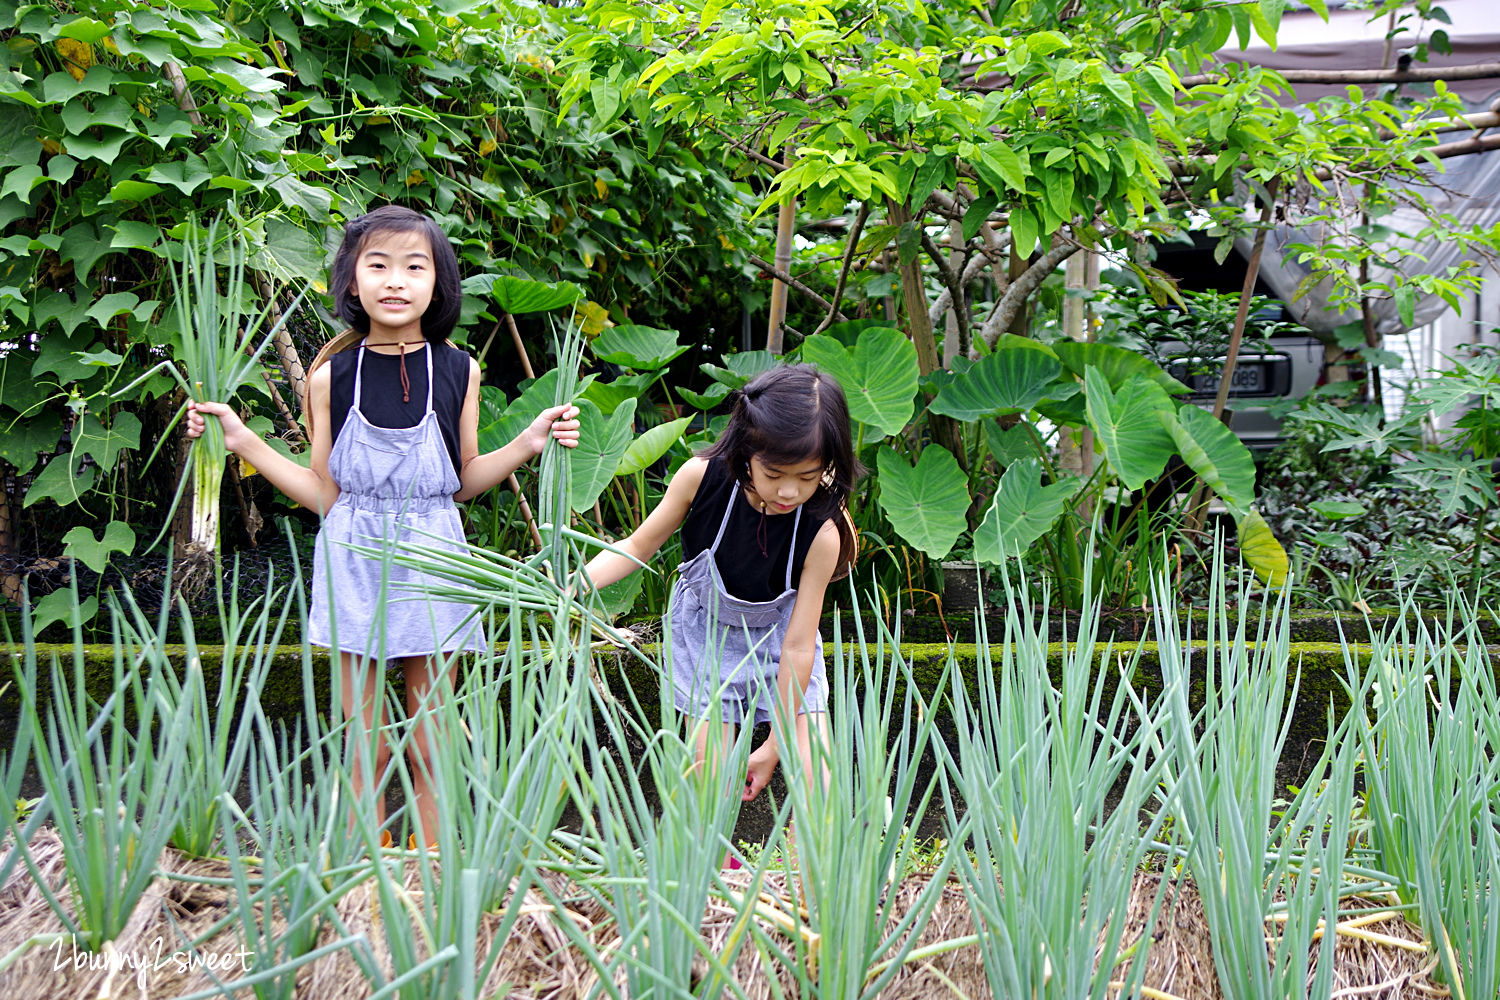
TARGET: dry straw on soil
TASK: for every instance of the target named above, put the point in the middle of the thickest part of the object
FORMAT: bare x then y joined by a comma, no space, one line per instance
1383,958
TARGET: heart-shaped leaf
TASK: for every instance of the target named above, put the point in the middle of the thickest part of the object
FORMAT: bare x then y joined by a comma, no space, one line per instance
651,445
1116,364
1260,549
601,445
81,544
1012,380
1212,451
926,504
1022,511
1127,426
523,295
642,348
1337,510
879,375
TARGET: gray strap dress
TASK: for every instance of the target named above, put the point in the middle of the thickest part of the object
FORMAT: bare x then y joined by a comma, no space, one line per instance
726,648
396,484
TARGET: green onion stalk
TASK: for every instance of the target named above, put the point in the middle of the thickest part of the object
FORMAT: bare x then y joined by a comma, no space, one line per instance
218,355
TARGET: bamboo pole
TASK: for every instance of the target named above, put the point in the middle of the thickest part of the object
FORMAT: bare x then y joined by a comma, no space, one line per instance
1197,510
786,217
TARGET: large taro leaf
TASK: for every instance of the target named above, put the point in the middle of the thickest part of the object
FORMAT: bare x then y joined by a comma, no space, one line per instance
642,348
742,367
926,504
1023,510
1116,364
1128,427
522,295
1212,451
879,376
609,395
601,444
1008,381
500,422
651,445
1260,549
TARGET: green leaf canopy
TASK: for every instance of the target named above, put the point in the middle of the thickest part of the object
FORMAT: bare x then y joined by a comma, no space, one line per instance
879,375
642,348
1022,511
926,504
1012,380
1128,426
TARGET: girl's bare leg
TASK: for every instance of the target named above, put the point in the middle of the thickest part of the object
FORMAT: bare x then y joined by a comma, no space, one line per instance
720,753
362,690
422,673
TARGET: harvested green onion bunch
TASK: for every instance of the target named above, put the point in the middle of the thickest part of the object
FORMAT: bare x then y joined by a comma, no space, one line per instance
218,355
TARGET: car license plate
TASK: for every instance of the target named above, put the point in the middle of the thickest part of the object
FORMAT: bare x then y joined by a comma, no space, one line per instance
1249,380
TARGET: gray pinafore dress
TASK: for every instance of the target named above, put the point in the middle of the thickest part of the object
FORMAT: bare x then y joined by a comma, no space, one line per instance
730,648
395,484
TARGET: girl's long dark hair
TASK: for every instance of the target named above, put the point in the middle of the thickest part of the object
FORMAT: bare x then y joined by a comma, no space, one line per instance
447,291
788,415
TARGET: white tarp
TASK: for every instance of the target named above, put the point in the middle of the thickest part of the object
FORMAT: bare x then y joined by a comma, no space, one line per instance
1466,187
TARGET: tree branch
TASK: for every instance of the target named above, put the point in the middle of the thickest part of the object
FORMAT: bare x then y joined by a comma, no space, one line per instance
791,282
1423,74
849,252
1015,296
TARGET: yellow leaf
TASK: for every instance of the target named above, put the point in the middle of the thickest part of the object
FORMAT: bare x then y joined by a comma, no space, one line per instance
724,242
1261,551
52,146
415,177
77,56
488,146
601,188
246,469
557,224
378,120
588,259
593,318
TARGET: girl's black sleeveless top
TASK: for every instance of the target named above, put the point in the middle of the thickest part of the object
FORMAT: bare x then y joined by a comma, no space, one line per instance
747,573
381,401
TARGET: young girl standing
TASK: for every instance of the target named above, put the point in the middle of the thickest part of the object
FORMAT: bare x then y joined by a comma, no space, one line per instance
393,419
764,530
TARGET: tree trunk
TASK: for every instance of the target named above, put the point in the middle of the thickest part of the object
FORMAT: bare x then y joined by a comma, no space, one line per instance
10,560
945,430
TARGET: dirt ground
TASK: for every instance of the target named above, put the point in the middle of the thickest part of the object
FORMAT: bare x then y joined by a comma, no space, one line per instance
1381,960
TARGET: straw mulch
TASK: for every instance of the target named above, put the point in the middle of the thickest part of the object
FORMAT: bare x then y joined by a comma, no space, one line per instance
536,960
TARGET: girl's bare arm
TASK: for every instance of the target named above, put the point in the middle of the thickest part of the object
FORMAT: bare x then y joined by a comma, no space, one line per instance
480,473
311,486
608,567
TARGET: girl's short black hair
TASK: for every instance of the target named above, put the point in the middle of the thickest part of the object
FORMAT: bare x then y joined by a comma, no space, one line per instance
788,415
447,293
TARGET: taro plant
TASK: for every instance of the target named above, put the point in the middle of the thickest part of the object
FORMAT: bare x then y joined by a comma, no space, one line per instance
1009,402
1029,781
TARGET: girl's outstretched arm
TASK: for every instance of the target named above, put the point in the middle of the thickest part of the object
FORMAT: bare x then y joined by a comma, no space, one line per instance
311,486
484,472
799,649
608,567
